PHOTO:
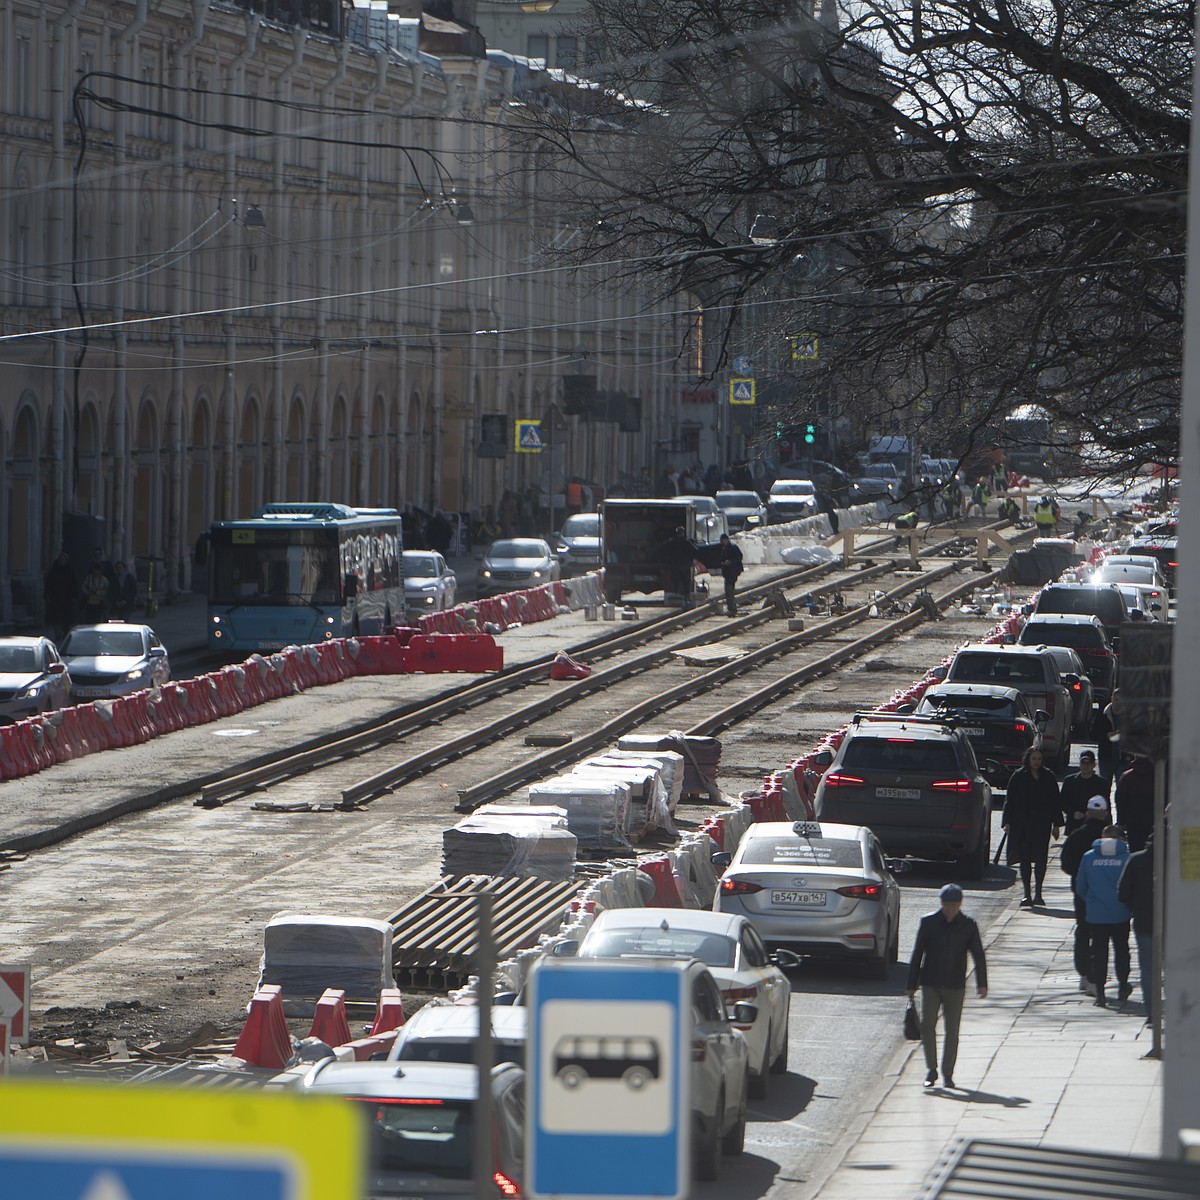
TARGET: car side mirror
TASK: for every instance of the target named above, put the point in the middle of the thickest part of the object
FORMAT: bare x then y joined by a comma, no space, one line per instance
1070,678
721,859
57,668
506,999
1026,610
939,673
785,960
745,1013
1041,717
823,758
754,520
1156,608
905,709
567,948
158,652
899,866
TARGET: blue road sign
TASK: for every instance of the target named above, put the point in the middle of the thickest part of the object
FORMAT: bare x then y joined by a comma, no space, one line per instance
108,1175
609,1079
741,364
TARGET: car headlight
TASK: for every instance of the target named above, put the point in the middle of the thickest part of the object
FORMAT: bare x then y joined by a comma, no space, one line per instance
536,574
30,692
136,674
486,573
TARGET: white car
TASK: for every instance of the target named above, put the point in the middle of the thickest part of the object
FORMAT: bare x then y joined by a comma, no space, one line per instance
112,660
733,952
430,584
33,678
710,519
791,500
1117,571
743,510
448,1033
1152,602
814,888
517,563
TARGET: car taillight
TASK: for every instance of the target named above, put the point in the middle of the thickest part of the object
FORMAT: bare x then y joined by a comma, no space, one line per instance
861,891
1096,652
735,887
504,1185
738,994
1172,565
951,785
699,1049
1020,727
841,779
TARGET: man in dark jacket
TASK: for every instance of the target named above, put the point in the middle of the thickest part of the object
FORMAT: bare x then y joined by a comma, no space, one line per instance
1135,802
1096,883
678,554
731,568
1079,788
1074,848
1135,889
939,966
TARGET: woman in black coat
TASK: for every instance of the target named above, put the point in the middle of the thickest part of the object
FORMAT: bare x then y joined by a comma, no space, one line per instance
1032,810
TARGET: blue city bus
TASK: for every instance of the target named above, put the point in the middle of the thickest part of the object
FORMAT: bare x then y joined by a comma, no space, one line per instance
294,574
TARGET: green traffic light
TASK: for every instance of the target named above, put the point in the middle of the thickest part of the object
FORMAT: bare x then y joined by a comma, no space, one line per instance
810,434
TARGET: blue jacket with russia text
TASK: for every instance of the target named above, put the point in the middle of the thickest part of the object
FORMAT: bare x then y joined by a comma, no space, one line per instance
1097,879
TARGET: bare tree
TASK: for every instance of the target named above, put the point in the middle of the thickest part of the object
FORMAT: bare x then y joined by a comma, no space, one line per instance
974,205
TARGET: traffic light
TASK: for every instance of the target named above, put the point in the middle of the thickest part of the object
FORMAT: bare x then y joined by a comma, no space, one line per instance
778,430
810,434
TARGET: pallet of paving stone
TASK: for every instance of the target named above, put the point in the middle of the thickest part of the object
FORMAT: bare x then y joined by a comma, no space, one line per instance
501,840
701,756
598,810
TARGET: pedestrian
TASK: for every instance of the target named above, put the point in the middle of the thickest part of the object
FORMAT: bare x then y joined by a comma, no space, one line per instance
1032,809
731,568
1135,802
939,965
95,594
59,591
1074,848
1044,518
678,554
1010,510
1078,788
1135,889
1108,732
124,596
979,497
999,476
574,495
1097,879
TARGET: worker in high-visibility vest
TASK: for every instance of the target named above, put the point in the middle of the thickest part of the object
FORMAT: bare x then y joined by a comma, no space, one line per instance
907,520
1044,516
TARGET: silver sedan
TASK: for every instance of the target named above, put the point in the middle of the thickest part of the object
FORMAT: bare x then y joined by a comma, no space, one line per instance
429,582
33,678
113,660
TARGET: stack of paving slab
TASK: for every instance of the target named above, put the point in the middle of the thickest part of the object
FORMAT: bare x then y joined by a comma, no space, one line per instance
701,757
596,808
533,842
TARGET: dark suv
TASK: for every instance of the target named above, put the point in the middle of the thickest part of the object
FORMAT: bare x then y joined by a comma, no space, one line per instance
1086,636
1165,549
915,783
1101,600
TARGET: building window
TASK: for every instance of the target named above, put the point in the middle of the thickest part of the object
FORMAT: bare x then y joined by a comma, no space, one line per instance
568,54
539,47
22,68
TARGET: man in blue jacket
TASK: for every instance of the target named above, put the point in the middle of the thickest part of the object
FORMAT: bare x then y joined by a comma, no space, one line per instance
1096,884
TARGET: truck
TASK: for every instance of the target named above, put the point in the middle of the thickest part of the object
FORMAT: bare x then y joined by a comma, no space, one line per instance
632,535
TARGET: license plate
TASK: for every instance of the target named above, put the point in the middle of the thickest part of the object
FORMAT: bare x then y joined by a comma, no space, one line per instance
799,899
973,730
90,691
271,645
898,793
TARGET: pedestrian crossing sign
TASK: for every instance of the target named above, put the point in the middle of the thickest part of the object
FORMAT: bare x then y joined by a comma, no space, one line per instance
528,436
805,345
741,391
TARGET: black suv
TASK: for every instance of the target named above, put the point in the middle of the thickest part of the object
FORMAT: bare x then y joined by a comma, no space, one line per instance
1086,636
1101,600
1165,549
915,783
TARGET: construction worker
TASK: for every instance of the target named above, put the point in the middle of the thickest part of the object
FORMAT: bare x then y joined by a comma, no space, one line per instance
907,520
1044,516
1010,510
979,497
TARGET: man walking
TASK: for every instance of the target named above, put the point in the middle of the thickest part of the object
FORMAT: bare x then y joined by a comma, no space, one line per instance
1135,889
731,568
1078,789
1096,882
939,966
678,554
1074,848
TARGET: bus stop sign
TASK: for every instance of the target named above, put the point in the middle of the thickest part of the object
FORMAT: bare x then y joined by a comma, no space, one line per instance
609,1076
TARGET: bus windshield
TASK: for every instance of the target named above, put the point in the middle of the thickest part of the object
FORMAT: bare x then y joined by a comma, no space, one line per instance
273,574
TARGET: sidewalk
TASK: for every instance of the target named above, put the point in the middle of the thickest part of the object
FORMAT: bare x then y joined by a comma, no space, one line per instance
1037,1063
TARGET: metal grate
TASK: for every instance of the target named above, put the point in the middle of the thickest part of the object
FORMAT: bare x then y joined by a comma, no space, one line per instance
986,1170
435,940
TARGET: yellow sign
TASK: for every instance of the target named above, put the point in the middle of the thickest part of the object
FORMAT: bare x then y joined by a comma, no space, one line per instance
1189,855
741,391
83,1139
243,536
527,436
805,345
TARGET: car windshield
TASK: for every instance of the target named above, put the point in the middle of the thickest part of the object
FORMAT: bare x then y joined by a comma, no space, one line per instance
1009,670
582,525
737,500
798,487
518,548
17,660
420,565
967,702
900,754
421,1136
1103,602
1047,633
796,851
435,1050
712,949
87,643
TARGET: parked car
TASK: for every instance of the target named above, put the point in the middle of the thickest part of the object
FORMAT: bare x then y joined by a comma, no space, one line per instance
1086,635
710,519
430,584
449,1033
1090,599
114,659
577,544
516,563
422,1124
743,510
729,946
33,678
1032,670
1000,721
821,889
791,500
915,782
876,481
